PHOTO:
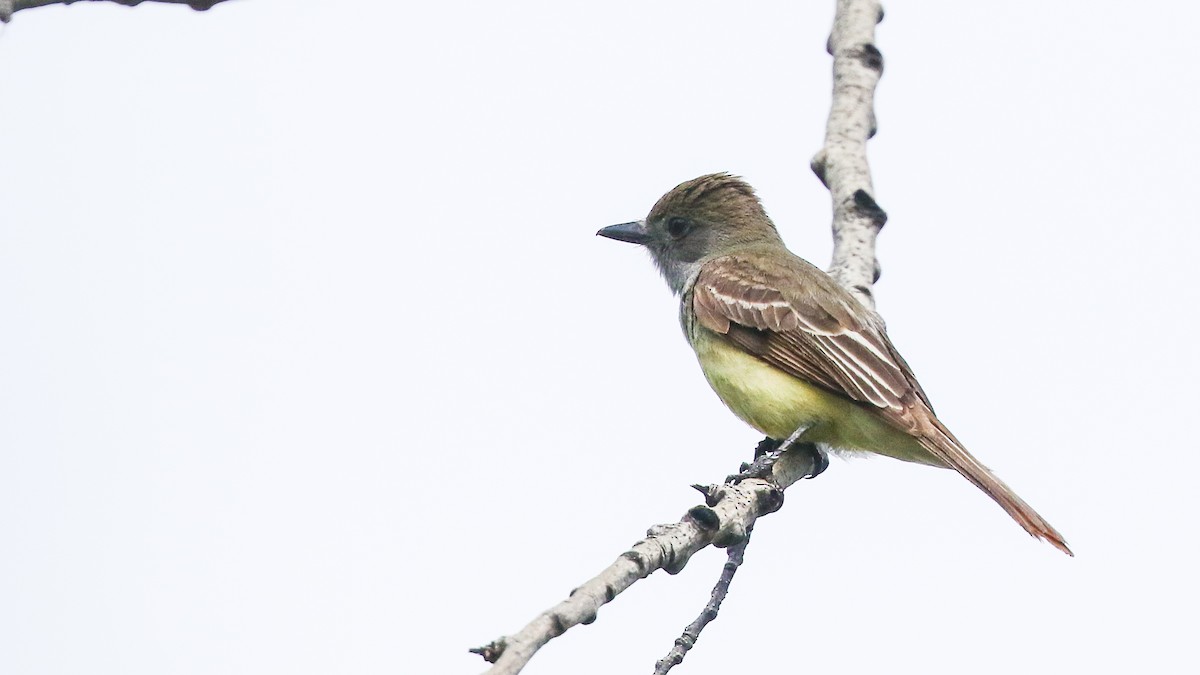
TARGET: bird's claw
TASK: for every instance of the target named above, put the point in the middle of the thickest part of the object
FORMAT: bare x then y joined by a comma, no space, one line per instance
768,452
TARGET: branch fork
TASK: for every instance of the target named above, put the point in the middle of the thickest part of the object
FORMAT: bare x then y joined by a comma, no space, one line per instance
724,520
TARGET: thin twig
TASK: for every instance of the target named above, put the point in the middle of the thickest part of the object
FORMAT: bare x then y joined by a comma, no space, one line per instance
691,634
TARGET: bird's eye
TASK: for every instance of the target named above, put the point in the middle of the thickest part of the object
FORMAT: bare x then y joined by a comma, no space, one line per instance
677,227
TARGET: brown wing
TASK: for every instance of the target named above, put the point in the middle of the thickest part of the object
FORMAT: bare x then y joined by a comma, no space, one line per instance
793,316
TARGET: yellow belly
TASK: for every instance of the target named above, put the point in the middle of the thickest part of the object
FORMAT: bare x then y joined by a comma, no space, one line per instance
777,404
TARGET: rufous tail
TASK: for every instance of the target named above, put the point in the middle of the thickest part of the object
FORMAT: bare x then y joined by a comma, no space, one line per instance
942,444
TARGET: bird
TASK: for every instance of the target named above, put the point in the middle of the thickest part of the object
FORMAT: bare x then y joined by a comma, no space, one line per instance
787,348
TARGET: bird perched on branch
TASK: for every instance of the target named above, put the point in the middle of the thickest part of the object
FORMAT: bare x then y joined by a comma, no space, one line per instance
790,351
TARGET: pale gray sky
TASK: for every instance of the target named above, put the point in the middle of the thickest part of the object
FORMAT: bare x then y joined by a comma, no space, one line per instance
310,361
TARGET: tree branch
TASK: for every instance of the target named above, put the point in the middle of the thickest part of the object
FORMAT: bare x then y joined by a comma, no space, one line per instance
9,7
725,521
842,163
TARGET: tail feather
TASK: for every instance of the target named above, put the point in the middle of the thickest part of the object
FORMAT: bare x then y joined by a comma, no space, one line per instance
942,444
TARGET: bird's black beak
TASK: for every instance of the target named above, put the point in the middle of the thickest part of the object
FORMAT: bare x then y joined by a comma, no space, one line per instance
634,233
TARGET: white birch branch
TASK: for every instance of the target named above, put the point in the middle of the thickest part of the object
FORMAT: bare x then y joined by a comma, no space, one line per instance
9,7
729,515
842,163
732,509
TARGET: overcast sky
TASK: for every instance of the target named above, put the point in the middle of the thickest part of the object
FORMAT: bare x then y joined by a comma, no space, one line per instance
310,361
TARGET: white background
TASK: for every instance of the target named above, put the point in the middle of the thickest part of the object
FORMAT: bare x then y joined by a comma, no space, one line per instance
310,361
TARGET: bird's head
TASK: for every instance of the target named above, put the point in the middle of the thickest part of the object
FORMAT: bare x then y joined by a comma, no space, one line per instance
700,219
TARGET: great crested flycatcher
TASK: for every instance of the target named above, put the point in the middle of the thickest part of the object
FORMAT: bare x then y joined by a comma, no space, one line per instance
786,347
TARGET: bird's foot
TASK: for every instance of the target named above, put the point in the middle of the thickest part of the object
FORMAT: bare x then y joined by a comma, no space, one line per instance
769,451
765,456
762,468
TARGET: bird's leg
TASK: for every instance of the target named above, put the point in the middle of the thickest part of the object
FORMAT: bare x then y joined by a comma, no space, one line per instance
783,447
769,451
